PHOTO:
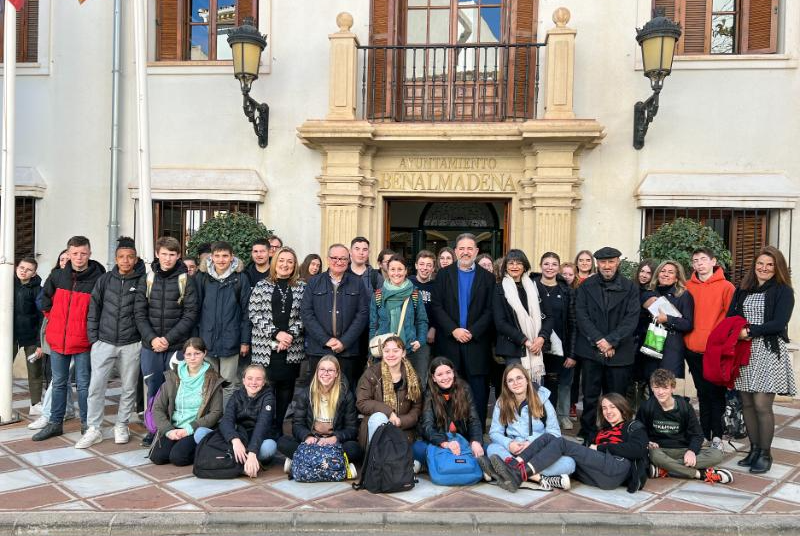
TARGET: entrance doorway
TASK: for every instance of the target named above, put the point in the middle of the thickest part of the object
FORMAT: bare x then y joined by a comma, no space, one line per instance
414,225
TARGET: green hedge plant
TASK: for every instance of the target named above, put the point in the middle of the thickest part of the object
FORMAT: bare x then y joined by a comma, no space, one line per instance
237,228
678,239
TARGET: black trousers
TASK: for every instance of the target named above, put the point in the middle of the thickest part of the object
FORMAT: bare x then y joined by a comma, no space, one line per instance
178,453
710,396
288,444
284,393
599,378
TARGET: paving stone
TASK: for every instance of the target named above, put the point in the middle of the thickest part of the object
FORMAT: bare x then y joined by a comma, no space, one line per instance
253,498
716,496
200,488
616,497
788,492
7,463
672,505
23,478
146,499
306,491
28,498
105,483
75,469
52,456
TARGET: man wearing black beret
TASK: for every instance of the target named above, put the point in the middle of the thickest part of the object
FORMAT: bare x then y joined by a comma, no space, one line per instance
607,310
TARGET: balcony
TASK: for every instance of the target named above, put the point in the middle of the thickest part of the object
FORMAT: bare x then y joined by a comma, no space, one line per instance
449,83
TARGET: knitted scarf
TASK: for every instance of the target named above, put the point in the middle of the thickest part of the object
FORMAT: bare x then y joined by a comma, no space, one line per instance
530,321
413,390
392,298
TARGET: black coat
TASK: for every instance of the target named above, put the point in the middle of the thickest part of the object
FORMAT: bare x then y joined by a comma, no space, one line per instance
634,449
165,314
345,420
253,414
477,353
674,347
510,339
470,428
778,305
613,319
27,317
567,320
223,323
111,309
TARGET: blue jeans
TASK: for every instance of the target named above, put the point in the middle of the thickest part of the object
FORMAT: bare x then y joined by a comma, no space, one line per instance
83,370
265,452
375,421
153,366
562,466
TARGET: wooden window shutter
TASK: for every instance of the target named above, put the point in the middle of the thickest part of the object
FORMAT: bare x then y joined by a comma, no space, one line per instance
169,30
27,33
25,225
667,7
380,34
523,20
748,236
759,27
247,8
695,15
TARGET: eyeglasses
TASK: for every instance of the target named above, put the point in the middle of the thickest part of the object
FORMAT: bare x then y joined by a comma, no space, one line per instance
515,379
327,371
338,259
274,247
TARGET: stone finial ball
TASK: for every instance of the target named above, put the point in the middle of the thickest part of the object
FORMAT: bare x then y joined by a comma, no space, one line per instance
345,21
561,17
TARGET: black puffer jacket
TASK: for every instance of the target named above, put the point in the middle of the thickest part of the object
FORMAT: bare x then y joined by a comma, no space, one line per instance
345,421
111,309
253,414
27,317
469,428
165,314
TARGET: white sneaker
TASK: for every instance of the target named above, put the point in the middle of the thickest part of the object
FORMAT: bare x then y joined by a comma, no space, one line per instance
565,422
121,434
287,466
716,443
36,409
92,436
351,471
39,423
417,467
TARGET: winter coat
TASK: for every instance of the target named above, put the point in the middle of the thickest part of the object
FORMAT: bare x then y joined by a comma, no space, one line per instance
65,302
674,348
471,358
369,400
712,298
352,313
525,427
612,317
725,353
254,276
568,322
111,310
224,323
27,317
510,341
210,411
253,414
778,306
263,327
165,313
415,325
470,428
345,419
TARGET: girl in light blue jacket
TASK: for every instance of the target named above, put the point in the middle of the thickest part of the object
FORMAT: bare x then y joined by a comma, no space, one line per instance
523,413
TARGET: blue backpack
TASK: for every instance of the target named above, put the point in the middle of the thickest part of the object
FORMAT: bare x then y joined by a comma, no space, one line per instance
447,469
319,463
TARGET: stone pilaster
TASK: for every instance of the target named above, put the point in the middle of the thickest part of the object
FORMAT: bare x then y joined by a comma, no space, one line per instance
560,68
343,91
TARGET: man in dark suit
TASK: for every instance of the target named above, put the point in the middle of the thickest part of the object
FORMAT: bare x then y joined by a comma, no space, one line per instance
461,304
607,311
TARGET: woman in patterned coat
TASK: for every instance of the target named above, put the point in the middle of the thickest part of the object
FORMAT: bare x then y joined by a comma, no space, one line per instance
277,339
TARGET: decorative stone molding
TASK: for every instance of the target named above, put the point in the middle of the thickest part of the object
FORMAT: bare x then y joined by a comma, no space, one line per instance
211,184
560,68
28,182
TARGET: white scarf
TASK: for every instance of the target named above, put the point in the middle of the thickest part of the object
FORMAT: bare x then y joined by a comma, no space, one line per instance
530,321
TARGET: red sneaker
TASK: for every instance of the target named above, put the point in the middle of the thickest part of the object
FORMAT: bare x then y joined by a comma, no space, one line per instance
573,411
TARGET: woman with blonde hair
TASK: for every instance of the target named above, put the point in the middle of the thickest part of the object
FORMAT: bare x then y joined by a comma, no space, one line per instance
669,281
584,260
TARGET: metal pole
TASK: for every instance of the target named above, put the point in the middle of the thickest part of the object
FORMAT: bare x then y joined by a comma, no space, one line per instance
113,203
144,231
7,214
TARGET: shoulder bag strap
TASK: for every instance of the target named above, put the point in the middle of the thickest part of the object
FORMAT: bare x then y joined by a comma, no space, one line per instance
402,316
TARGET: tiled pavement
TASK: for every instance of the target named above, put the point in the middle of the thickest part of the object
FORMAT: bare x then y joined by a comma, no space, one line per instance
53,476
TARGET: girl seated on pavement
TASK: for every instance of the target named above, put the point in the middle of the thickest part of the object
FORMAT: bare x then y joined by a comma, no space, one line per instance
248,424
189,399
324,414
448,408
521,415
618,454
389,391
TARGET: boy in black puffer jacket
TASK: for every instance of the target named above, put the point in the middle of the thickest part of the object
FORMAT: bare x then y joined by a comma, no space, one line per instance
27,321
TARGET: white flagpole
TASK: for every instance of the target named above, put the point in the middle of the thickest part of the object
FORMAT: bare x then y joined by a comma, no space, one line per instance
7,213
144,231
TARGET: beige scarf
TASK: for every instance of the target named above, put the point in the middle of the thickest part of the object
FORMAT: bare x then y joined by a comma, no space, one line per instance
413,389
530,321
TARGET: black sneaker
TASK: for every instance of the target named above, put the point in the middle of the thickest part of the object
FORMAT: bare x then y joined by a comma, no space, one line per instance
509,473
51,430
557,481
486,467
148,440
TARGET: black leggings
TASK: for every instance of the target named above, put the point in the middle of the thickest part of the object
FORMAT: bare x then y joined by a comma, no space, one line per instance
287,445
759,418
284,392
178,453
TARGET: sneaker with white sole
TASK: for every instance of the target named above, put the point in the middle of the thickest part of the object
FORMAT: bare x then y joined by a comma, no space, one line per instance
716,443
92,436
557,481
35,410
352,474
121,434
542,485
39,423
418,466
715,475
565,422
287,466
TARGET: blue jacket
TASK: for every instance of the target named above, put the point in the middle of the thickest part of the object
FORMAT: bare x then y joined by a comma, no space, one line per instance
519,429
415,325
224,323
352,313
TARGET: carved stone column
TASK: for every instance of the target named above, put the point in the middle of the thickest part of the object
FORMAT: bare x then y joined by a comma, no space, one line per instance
343,70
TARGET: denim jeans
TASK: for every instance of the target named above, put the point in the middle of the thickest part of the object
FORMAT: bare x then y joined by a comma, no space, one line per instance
265,453
153,366
375,421
83,371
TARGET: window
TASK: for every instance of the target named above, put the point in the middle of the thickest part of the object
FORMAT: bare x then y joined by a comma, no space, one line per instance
27,33
724,26
24,227
744,231
197,29
181,219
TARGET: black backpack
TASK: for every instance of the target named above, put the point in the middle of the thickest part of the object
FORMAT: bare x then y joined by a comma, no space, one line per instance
732,419
214,458
388,465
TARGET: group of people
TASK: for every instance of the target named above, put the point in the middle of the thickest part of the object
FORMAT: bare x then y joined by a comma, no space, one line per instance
221,348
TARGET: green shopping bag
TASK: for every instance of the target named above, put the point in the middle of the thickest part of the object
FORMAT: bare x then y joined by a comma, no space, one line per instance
654,341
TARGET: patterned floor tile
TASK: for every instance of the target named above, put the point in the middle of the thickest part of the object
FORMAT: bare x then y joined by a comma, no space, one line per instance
186,507
787,432
26,499
59,455
784,410
779,507
105,483
786,444
74,505
751,483
616,497
568,502
147,498
131,458
423,490
715,496
7,463
75,469
109,447
23,478
10,435
662,485
671,505
523,497
777,472
309,491
788,492
163,473
252,498
199,488
795,423
465,501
